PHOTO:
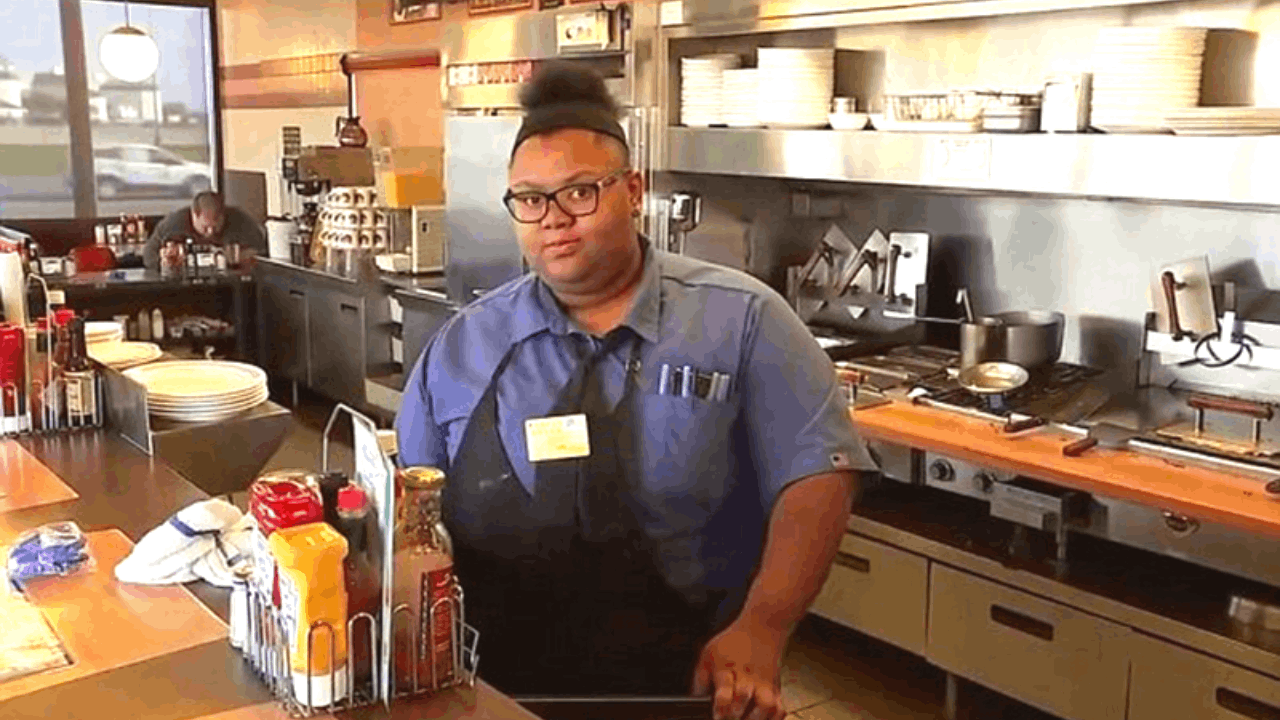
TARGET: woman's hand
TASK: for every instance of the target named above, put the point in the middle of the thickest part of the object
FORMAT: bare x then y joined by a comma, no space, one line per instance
743,665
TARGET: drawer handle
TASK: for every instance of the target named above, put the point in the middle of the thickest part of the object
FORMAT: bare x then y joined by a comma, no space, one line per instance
297,294
349,307
1022,623
1246,706
853,562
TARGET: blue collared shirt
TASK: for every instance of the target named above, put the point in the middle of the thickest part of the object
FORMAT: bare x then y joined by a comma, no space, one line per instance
710,470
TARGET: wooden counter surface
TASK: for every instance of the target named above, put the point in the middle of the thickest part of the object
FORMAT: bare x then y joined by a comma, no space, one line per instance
116,486
1200,493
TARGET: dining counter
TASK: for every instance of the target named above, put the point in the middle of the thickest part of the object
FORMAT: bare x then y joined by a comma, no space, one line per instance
117,486
1235,500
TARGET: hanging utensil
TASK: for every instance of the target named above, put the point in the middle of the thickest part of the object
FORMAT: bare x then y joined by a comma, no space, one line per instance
962,297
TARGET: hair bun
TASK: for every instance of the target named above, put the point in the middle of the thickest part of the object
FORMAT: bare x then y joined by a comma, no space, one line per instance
560,83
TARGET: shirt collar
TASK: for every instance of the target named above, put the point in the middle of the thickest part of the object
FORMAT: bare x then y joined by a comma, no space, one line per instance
543,313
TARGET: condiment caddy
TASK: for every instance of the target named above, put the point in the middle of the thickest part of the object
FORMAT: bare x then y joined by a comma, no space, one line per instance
322,620
47,381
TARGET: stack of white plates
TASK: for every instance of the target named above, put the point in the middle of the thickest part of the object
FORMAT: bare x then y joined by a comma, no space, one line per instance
200,390
121,355
795,86
740,91
99,331
1225,121
1141,74
702,88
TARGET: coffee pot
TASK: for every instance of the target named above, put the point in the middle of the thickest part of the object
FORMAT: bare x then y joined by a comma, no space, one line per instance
350,133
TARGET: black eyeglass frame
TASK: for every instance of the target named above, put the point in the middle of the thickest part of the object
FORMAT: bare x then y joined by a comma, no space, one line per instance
597,187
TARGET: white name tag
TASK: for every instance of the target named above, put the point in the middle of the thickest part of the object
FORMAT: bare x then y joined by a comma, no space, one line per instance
557,438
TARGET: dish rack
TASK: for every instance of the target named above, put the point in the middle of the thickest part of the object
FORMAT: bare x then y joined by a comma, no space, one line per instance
267,642
955,111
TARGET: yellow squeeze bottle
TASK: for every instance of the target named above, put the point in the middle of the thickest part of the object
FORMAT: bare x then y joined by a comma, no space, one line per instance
309,558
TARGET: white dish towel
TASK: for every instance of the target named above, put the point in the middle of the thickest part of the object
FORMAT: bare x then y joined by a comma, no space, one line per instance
207,541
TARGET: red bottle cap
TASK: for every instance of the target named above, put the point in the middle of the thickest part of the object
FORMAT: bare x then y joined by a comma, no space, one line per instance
63,316
351,497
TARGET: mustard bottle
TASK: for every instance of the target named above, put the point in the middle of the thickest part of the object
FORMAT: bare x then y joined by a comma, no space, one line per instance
310,561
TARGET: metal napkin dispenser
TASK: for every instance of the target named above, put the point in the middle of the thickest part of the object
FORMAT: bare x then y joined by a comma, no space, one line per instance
419,232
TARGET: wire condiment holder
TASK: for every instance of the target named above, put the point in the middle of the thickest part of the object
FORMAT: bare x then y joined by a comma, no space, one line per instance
39,403
372,674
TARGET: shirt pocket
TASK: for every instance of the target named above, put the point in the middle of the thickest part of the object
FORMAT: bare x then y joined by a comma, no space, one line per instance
687,456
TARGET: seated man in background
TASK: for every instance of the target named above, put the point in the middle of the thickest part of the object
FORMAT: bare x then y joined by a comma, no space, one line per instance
209,222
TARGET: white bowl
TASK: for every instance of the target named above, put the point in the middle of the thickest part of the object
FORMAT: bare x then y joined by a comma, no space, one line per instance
847,121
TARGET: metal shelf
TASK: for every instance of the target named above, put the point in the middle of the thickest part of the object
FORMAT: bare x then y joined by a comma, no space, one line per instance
1209,170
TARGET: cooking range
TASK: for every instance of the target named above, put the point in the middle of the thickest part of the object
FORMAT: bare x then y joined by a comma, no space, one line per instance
1068,398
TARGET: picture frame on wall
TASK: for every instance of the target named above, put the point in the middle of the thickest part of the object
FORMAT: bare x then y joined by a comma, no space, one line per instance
407,11
485,7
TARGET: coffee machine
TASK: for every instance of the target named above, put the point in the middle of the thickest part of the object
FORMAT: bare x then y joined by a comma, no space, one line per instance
311,172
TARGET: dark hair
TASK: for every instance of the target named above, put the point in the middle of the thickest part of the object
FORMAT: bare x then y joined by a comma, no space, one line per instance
566,96
208,203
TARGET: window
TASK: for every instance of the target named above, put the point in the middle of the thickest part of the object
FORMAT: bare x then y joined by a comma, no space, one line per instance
35,152
154,141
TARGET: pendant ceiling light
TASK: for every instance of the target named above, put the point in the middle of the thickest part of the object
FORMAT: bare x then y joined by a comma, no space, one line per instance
129,54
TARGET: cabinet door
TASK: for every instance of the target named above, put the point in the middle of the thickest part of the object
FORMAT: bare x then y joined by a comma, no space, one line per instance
283,322
1171,682
878,590
424,314
1045,654
338,345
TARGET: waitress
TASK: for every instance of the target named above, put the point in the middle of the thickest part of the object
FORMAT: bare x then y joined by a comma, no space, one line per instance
650,467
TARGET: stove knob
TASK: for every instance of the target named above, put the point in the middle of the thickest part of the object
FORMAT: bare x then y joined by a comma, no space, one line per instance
941,471
985,480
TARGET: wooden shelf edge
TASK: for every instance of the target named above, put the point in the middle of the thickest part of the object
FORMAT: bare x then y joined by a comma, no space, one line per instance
390,60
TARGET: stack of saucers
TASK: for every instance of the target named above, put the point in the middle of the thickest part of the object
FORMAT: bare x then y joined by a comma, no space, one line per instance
702,88
1141,74
795,86
200,390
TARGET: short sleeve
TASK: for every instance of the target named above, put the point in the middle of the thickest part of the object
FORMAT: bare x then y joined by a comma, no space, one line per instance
418,437
797,420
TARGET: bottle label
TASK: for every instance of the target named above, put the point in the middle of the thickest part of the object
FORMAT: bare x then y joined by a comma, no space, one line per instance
81,401
437,590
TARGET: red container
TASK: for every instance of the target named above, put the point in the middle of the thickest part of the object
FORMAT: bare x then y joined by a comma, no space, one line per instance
284,499
12,358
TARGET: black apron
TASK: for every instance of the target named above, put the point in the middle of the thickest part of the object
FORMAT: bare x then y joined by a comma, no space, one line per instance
563,583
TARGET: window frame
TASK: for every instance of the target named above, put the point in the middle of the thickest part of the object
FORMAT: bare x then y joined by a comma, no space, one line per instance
78,72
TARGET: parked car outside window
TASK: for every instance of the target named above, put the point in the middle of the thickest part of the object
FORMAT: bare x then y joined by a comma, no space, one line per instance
136,168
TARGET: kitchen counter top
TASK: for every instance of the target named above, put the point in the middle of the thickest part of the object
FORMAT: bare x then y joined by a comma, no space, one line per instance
144,279
118,486
1236,500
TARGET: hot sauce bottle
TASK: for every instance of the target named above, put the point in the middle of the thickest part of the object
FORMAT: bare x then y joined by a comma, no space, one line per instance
424,580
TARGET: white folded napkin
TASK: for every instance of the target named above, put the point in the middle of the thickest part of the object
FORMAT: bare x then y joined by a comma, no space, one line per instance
207,540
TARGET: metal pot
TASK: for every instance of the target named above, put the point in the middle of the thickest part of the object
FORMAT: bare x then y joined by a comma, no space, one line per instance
1030,338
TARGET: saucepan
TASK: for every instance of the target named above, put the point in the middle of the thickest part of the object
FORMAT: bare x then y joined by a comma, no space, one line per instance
1030,338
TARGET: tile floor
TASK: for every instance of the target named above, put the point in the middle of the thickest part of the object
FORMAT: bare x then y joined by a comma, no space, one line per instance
829,672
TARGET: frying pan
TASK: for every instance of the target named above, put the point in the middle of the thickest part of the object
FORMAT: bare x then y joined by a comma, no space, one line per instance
1105,435
993,378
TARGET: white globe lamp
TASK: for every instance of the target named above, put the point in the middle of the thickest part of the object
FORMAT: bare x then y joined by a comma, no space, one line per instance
129,54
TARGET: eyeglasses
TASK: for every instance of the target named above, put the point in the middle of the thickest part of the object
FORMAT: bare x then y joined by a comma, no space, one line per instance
577,200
